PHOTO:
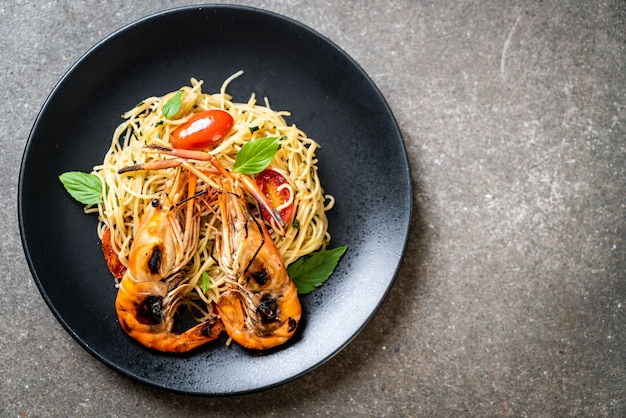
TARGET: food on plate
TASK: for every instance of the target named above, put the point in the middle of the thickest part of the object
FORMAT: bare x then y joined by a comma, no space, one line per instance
213,205
263,310
153,286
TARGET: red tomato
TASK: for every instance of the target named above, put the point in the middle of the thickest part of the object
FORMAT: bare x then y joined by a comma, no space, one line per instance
268,181
203,130
114,264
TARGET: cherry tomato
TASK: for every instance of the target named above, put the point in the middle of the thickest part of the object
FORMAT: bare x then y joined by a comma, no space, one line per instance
114,264
202,130
268,181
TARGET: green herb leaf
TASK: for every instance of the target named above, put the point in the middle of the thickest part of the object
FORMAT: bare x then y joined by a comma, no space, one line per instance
256,155
205,282
85,188
172,106
309,272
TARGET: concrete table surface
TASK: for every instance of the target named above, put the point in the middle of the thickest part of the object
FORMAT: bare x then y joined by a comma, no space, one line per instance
511,300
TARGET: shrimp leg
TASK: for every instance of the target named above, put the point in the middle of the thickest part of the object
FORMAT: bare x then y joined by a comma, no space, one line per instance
181,159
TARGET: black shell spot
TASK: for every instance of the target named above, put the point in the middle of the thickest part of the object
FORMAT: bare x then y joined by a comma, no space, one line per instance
260,277
154,263
292,324
149,311
267,309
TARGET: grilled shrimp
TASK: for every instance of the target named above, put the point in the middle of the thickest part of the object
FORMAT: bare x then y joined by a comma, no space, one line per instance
149,292
261,310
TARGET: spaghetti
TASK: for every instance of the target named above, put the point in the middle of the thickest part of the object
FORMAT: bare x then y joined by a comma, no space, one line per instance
128,194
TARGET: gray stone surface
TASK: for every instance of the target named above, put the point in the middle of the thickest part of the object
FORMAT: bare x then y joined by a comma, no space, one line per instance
512,298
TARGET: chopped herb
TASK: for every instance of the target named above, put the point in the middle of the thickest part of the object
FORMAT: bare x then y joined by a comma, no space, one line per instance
205,282
296,223
159,123
253,129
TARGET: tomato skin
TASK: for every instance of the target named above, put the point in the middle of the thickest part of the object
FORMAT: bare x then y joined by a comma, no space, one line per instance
268,181
202,130
114,264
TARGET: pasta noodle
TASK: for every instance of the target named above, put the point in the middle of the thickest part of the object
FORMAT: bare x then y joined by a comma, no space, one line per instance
129,193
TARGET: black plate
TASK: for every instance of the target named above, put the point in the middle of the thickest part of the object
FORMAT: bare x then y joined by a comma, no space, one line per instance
362,163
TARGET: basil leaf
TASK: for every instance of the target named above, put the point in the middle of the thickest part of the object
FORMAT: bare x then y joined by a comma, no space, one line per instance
256,155
309,272
85,188
172,106
205,282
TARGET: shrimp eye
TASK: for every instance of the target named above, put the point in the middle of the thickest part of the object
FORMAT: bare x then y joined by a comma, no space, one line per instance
149,312
154,263
267,309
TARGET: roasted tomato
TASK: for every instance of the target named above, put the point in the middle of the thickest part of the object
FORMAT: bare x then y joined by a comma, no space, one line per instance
113,262
269,182
202,130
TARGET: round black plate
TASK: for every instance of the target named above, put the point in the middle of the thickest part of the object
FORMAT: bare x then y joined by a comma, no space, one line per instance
362,163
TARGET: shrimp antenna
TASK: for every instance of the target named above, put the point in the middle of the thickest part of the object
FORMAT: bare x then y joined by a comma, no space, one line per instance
185,200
